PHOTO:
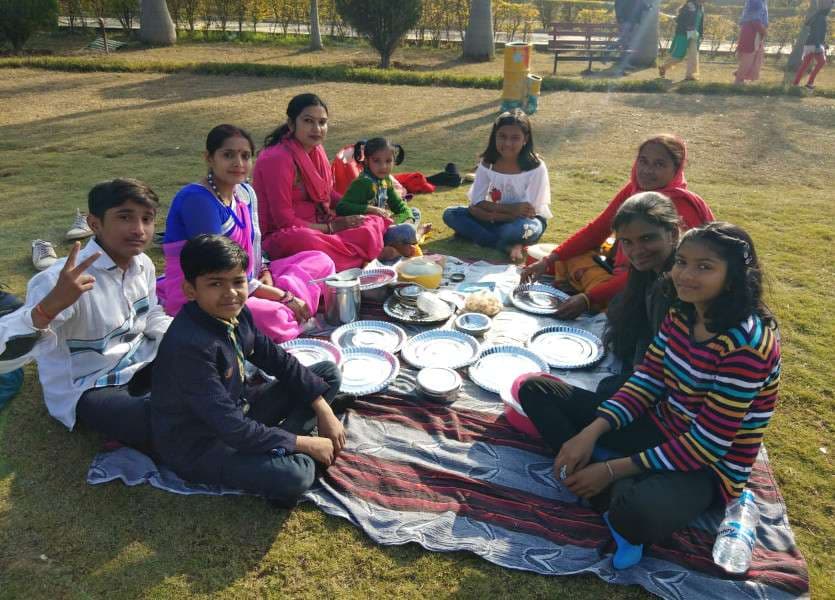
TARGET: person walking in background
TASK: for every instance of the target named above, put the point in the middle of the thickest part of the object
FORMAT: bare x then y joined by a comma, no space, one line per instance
815,46
751,47
688,36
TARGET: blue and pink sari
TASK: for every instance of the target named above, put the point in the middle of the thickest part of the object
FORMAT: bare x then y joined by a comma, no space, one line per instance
196,210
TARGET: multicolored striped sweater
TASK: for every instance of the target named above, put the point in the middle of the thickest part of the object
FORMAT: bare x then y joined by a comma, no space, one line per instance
713,399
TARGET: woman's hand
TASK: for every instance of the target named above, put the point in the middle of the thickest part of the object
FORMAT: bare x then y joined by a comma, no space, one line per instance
266,277
299,308
532,272
574,454
589,481
342,223
380,212
573,307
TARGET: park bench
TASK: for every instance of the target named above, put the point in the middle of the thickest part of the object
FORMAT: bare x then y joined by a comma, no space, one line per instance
584,41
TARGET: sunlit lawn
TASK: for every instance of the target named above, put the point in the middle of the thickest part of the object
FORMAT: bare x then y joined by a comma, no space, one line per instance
763,163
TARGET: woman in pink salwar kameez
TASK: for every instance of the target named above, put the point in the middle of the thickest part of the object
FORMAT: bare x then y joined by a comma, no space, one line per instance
281,296
294,183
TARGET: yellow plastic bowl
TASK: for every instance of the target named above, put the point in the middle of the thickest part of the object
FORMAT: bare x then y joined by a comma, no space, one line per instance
428,281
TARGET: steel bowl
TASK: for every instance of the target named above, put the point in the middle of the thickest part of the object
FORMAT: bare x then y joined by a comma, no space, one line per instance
476,324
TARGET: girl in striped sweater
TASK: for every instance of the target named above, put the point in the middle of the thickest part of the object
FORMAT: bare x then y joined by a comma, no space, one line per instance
689,422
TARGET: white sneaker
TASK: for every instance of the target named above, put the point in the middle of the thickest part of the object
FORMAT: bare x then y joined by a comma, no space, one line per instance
79,229
43,254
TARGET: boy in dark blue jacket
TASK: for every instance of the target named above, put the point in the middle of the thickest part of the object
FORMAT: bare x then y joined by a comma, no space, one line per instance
207,424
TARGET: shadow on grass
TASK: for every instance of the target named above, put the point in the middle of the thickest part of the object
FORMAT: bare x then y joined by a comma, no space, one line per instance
63,538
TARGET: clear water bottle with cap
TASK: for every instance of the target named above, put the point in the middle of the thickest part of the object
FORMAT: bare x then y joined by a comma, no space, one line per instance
737,534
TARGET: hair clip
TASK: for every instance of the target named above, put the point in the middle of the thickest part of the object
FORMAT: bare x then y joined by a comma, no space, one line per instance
747,257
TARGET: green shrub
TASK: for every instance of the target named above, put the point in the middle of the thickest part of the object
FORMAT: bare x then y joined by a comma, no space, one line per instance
383,22
19,19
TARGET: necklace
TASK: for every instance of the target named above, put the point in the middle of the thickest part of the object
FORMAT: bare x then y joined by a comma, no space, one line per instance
211,179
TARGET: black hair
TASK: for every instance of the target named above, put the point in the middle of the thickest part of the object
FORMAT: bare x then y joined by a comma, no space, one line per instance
674,145
110,194
218,135
211,253
628,321
365,148
294,109
743,290
528,159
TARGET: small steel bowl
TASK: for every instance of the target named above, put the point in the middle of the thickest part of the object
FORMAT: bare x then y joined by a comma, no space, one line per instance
408,294
439,384
476,324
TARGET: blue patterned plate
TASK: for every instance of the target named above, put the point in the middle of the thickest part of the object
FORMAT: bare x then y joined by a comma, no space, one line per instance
537,298
441,348
367,370
309,351
369,334
499,366
567,347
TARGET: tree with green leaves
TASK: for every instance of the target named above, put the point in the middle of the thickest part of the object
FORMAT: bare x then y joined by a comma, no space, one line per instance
383,22
19,19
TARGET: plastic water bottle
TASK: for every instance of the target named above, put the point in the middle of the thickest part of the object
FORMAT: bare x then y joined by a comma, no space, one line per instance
737,534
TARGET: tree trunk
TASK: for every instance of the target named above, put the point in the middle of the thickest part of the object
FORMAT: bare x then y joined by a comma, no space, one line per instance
478,41
155,25
315,36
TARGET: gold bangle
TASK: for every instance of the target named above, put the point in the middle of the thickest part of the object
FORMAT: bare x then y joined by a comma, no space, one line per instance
588,302
611,472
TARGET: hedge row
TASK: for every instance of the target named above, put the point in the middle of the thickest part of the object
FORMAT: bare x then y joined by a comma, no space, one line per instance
394,77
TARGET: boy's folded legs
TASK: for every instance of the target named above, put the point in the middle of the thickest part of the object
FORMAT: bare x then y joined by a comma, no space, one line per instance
117,414
272,405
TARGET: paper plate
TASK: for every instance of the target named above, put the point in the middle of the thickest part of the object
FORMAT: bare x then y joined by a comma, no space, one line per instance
371,279
411,314
309,351
441,348
497,367
566,347
367,370
537,298
369,334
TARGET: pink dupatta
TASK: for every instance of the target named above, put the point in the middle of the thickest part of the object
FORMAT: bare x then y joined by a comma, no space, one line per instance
316,174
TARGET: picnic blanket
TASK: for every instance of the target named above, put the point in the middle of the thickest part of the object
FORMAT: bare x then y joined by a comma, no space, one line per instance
459,477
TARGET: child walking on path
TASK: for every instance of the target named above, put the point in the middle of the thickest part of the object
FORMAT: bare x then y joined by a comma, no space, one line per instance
815,46
689,423
209,425
510,199
374,193
686,41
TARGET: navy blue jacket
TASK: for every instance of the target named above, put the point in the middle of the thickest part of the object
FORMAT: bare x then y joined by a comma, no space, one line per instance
198,398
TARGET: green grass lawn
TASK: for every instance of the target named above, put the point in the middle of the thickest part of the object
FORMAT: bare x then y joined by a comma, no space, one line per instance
763,163
356,53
